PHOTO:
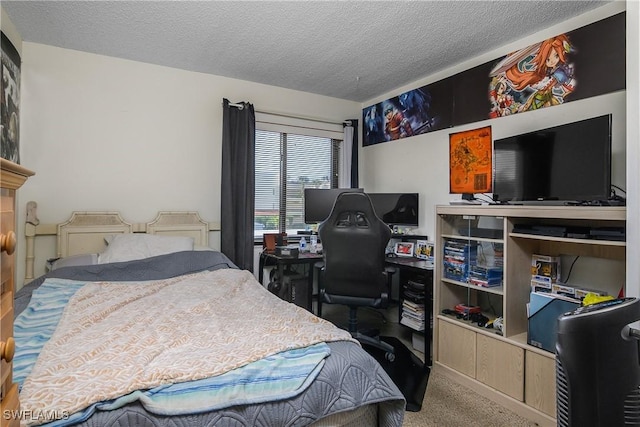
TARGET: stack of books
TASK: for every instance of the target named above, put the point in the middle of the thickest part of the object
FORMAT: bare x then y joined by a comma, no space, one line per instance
413,314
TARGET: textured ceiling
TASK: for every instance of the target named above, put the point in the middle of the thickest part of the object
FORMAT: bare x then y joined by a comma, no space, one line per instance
353,50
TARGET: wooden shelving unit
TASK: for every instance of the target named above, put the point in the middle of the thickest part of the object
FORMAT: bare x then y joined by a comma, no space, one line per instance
502,365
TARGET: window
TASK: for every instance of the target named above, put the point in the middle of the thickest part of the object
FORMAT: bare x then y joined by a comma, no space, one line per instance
286,164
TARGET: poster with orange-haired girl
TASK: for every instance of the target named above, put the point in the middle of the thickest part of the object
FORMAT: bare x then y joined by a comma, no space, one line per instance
535,77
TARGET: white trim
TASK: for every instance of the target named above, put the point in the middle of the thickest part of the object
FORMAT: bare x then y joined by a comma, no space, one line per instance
344,175
633,150
277,122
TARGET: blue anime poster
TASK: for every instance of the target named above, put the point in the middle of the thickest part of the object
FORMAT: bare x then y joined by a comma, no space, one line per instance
411,113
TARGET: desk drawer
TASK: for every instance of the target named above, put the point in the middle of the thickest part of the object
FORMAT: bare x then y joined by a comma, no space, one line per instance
9,407
7,200
6,268
7,223
12,176
6,333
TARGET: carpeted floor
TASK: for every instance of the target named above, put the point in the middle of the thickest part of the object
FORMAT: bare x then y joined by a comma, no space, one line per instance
445,402
448,404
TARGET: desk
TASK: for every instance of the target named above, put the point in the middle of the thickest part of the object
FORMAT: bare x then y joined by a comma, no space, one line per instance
305,258
410,269
417,273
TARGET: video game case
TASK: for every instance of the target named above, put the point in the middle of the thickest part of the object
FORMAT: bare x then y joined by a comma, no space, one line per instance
485,283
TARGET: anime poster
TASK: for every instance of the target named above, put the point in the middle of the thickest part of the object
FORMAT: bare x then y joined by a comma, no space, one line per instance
470,164
582,63
586,62
417,111
538,76
10,142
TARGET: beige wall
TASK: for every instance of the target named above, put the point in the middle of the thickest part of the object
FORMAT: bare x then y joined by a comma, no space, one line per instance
111,134
421,163
105,133
425,158
10,30
633,148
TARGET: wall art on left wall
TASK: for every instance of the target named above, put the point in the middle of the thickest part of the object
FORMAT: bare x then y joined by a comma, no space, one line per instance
10,143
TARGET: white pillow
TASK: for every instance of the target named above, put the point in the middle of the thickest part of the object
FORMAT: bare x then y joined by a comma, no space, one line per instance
128,247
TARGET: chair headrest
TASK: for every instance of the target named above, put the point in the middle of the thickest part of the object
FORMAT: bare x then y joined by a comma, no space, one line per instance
357,204
353,209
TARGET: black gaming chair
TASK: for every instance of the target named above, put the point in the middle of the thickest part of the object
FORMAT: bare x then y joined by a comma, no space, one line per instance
354,274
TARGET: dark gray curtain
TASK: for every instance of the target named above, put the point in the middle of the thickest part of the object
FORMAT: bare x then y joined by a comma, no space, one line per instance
238,182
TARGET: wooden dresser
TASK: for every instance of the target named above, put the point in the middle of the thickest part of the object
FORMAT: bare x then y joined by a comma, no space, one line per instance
12,178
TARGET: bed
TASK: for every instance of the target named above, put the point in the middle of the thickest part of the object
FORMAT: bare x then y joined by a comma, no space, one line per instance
144,325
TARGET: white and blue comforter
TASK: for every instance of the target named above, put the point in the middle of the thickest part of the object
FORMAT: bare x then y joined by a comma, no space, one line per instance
295,387
163,343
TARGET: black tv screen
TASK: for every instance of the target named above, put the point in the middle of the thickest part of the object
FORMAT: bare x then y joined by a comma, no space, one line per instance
570,162
396,208
318,202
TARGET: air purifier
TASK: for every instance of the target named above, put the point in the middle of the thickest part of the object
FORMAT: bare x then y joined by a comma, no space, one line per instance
598,365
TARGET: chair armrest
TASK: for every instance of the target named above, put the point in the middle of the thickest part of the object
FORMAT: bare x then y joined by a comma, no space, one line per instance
386,296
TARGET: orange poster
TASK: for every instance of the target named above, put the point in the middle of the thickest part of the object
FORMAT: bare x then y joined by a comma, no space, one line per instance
470,163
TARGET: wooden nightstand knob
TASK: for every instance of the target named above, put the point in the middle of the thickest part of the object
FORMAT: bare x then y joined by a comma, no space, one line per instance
7,349
8,242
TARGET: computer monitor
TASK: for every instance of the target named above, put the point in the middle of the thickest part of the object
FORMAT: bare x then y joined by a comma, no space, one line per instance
396,208
318,202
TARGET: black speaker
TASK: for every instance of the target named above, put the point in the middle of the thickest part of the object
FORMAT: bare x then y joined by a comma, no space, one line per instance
598,365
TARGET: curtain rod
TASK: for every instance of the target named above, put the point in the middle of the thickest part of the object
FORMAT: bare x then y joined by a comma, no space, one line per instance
273,113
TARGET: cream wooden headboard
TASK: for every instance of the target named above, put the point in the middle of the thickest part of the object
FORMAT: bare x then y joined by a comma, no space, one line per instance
85,232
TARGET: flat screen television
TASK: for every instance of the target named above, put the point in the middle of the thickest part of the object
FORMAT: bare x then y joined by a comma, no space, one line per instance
570,162
318,202
396,208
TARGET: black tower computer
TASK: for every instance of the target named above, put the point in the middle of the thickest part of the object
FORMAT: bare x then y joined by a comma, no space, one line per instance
598,365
